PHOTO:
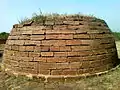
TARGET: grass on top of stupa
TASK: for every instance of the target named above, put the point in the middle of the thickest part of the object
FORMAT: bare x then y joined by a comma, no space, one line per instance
42,17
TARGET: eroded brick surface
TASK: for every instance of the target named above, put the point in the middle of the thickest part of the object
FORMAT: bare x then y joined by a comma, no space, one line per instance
67,46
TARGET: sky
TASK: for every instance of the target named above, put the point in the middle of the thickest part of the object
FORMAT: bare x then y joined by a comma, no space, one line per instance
13,10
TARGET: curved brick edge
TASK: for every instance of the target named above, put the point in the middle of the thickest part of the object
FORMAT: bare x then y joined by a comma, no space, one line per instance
52,78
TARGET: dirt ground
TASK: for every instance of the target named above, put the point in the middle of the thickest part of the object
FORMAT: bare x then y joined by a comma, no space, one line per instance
110,81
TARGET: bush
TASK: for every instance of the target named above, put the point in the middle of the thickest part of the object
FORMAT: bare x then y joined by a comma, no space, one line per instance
116,35
4,35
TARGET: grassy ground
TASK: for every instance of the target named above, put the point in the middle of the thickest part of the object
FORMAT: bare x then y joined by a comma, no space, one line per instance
110,81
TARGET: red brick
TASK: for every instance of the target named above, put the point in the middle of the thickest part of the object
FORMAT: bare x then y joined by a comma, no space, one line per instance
56,60
37,43
107,45
39,28
81,36
60,43
23,54
29,43
80,53
26,58
15,33
65,48
54,48
106,40
88,70
47,66
19,42
48,42
75,65
10,53
54,42
60,36
77,27
72,54
38,32
93,57
37,37
104,36
16,48
45,48
103,56
85,64
56,72
60,54
46,53
69,23
40,59
62,65
99,51
28,70
60,31
37,49
92,36
75,59
81,31
34,54
24,37
60,27
29,48
18,69
94,64
13,63
28,32
73,42
70,72
85,53
80,48
21,48
87,42
30,65
13,37
44,72
93,32
10,42
8,47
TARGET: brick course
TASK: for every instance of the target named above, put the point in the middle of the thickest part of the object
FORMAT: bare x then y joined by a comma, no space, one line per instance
67,46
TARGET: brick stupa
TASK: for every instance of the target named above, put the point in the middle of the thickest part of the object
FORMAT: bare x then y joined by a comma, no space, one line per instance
60,47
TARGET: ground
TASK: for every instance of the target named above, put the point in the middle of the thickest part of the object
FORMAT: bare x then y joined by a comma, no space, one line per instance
109,81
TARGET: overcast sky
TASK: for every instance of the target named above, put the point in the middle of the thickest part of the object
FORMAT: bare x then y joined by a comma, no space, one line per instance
13,10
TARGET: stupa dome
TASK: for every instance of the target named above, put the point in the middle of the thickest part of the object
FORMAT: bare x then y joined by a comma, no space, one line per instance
60,46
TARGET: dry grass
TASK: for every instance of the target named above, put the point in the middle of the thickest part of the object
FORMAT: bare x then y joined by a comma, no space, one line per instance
110,81
42,17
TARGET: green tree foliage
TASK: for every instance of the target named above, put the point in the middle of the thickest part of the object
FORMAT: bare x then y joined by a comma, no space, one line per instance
4,35
116,35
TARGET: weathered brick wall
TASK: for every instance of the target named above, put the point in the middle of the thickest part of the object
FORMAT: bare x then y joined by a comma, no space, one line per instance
66,46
